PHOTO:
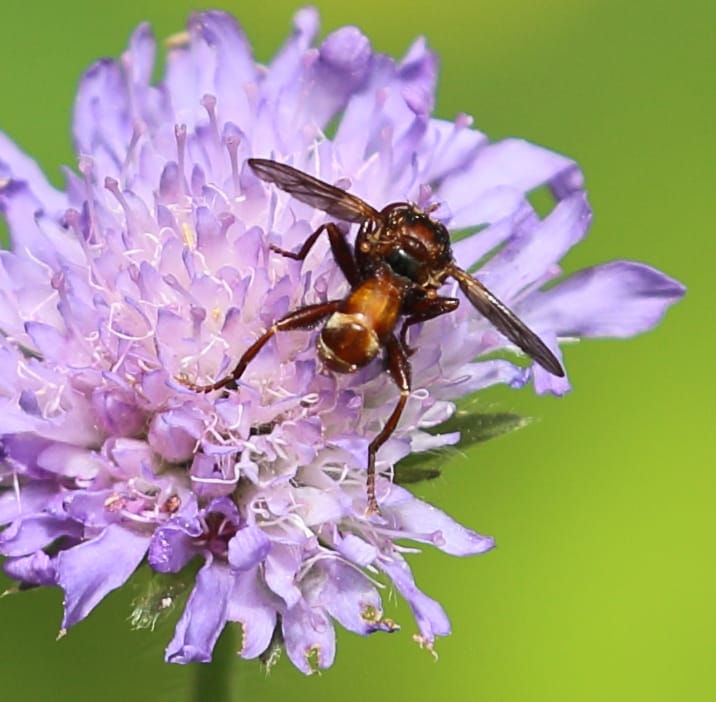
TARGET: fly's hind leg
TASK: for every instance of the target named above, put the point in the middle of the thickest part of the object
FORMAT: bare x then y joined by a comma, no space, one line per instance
398,366
302,318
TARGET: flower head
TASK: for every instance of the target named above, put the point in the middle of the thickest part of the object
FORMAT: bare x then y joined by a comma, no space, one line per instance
155,263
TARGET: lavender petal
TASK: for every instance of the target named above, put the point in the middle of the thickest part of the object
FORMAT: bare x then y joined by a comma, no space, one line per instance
309,637
248,548
35,569
90,570
203,618
616,299
429,615
255,609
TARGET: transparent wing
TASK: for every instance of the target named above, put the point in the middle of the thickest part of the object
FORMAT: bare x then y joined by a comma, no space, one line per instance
506,321
336,202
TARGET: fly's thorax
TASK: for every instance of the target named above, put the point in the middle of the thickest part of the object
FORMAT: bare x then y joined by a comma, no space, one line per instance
353,336
413,244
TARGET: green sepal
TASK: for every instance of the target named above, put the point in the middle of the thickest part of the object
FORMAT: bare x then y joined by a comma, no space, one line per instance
474,428
416,468
477,428
157,595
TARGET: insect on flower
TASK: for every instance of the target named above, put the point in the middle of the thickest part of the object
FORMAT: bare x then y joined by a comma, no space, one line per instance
402,256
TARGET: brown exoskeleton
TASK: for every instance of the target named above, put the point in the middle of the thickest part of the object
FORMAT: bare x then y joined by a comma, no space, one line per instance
401,258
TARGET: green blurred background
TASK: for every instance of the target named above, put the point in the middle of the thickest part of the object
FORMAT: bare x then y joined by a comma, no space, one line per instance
603,583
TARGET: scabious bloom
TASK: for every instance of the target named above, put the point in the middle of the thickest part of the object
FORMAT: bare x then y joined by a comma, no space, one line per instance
154,263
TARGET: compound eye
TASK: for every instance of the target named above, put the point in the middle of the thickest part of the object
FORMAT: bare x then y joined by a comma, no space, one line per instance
403,264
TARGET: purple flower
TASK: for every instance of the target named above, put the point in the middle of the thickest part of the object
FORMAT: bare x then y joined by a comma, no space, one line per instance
154,263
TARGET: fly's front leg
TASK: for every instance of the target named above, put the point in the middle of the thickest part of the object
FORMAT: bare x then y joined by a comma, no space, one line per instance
339,248
303,318
399,368
422,310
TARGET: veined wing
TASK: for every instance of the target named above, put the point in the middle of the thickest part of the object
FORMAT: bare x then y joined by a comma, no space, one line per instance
506,321
336,202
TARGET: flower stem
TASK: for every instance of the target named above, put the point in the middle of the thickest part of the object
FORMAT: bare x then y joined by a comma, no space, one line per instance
214,680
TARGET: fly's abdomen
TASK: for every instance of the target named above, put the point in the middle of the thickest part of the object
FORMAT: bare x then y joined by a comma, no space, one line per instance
347,342
355,333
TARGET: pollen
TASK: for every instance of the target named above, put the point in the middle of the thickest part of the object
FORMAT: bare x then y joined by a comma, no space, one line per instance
177,40
313,658
188,235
